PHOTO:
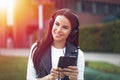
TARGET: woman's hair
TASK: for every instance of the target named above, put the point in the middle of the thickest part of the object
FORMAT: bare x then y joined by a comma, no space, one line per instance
46,41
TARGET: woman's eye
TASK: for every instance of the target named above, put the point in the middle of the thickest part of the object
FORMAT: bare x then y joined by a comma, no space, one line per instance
56,23
65,27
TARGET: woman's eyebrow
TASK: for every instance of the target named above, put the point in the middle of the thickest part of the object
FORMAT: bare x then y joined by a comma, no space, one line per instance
57,21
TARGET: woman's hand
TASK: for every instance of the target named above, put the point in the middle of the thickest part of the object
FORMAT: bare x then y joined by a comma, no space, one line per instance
71,71
55,73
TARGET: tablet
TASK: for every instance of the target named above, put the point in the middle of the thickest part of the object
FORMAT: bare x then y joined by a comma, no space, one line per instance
65,61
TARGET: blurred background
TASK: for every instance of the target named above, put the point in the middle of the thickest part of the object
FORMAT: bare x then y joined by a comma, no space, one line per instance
23,22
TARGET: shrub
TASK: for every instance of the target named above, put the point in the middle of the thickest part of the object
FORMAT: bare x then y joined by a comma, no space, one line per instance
103,38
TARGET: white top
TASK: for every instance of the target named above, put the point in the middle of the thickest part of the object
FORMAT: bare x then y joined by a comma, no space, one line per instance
55,53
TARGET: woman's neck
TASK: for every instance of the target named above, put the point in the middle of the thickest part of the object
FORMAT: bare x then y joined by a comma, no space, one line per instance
59,45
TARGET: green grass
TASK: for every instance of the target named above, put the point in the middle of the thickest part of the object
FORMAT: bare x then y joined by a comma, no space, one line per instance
14,68
92,74
104,67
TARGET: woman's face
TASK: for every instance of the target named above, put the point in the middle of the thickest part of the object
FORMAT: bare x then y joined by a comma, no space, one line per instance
61,28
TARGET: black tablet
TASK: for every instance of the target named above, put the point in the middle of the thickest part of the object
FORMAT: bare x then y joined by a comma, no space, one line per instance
65,61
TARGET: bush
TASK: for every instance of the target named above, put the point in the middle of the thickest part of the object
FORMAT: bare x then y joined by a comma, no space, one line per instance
88,38
102,38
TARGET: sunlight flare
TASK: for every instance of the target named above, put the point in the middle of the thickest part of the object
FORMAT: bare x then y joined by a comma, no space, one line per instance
10,19
8,6
6,3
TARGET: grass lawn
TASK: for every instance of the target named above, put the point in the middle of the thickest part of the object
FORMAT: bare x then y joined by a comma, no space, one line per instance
14,68
103,66
101,71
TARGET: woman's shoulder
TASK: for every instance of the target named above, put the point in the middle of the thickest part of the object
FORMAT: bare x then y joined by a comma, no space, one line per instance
34,47
80,52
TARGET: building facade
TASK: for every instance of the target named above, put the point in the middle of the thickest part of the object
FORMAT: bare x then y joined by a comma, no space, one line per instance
20,34
91,11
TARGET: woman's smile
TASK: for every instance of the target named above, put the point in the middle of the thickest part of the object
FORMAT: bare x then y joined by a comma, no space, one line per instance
58,35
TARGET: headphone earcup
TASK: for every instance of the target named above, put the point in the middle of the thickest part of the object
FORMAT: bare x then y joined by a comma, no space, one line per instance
73,37
73,33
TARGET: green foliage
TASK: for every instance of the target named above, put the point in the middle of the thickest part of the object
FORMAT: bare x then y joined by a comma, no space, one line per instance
102,38
101,71
12,68
92,74
104,67
89,35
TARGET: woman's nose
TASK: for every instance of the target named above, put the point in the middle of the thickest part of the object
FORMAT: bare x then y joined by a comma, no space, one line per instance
59,29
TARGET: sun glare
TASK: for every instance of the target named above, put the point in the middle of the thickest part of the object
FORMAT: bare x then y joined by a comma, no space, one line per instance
8,6
3,4
10,19
6,3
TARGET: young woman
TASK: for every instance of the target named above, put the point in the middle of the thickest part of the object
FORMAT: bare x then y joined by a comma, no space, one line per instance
60,40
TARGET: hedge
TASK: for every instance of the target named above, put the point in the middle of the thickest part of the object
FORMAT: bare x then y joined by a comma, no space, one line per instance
100,38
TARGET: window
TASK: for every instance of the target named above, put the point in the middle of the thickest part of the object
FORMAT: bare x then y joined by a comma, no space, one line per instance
112,8
118,8
100,8
86,6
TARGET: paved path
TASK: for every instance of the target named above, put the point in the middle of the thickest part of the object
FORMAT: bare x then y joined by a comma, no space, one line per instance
106,57
15,52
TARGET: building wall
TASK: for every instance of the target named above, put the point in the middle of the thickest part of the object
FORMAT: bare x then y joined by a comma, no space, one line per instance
2,29
90,19
96,10
100,7
105,1
26,17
